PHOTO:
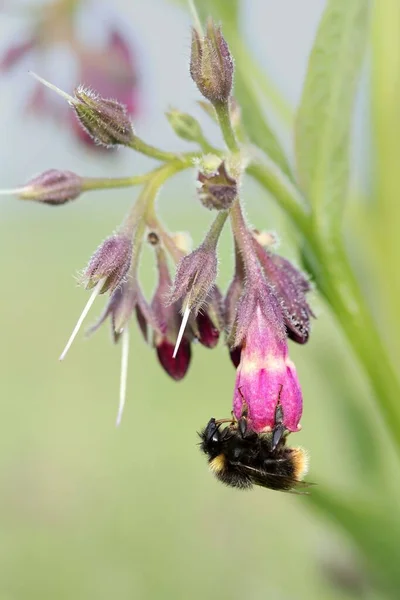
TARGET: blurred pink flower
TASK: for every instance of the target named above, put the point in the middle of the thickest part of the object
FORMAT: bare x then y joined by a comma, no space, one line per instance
110,70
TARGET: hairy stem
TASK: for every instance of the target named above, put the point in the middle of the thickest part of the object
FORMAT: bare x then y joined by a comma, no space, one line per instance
140,146
224,119
105,183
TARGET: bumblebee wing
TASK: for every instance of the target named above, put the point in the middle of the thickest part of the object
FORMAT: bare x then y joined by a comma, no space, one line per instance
275,481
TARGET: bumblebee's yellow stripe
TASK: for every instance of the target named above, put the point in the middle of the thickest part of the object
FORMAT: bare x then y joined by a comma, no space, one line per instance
217,464
300,462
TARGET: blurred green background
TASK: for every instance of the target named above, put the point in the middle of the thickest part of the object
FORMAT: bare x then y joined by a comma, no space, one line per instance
88,511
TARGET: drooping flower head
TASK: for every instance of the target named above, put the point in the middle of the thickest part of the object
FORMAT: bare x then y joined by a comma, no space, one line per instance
259,307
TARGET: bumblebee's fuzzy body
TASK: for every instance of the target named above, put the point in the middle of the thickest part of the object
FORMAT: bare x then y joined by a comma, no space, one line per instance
241,458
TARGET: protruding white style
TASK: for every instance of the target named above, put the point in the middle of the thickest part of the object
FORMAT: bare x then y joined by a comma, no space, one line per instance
61,93
84,313
124,374
181,330
14,192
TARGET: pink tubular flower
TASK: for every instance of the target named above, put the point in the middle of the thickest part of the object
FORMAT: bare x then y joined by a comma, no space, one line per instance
266,377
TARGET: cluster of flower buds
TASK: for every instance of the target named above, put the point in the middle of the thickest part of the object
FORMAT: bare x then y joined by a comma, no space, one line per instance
265,304
110,69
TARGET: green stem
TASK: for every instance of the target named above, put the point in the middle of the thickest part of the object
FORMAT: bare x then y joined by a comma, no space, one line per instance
216,228
138,215
154,224
140,146
346,299
102,183
224,119
243,239
207,147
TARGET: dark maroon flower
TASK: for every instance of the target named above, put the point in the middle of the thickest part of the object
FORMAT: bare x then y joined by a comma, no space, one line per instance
209,322
176,363
208,333
176,366
235,354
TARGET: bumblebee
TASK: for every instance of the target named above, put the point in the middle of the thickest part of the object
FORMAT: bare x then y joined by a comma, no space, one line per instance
241,458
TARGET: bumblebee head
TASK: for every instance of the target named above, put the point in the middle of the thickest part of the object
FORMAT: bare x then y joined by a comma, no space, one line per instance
211,439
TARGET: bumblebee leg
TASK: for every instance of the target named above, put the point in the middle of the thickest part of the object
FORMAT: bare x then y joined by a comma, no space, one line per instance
279,432
221,421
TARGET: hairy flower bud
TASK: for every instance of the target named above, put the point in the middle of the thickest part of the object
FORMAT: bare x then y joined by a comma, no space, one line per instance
217,190
211,64
184,125
196,272
107,121
110,263
290,287
52,187
195,276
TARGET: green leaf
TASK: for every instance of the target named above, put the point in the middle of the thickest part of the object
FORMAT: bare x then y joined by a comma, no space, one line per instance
323,123
375,531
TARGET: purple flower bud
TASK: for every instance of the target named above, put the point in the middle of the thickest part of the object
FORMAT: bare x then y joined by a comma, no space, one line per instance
110,263
107,121
290,287
52,187
266,377
196,272
195,276
217,190
211,64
